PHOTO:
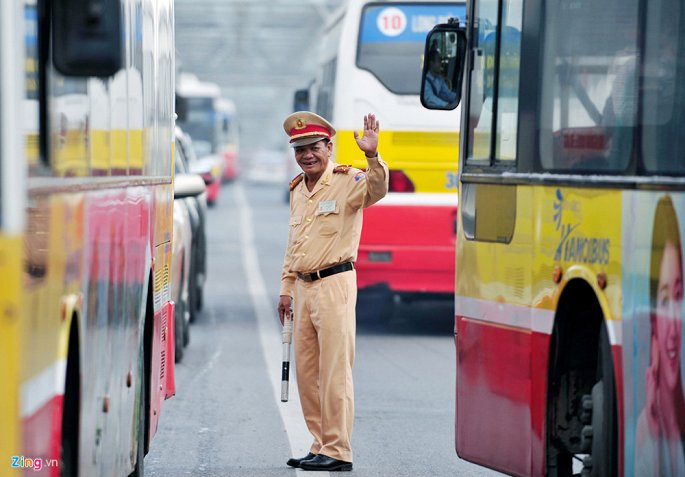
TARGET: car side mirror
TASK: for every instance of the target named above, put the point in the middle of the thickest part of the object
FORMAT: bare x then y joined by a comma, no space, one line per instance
188,185
87,37
443,66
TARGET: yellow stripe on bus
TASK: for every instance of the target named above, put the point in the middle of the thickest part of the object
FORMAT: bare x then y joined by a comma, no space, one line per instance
135,145
99,141
429,159
119,149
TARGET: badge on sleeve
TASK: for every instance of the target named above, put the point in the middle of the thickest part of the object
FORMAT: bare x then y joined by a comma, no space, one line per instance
359,175
326,206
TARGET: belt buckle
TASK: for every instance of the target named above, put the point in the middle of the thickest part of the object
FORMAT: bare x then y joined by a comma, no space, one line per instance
306,277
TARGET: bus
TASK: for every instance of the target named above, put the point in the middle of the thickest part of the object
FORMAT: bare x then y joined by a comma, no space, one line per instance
211,122
86,201
569,295
370,61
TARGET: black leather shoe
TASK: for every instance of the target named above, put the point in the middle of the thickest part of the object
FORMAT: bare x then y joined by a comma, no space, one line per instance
293,462
323,462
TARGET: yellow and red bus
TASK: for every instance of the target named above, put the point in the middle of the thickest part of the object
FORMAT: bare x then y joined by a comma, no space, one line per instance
568,298
370,61
86,202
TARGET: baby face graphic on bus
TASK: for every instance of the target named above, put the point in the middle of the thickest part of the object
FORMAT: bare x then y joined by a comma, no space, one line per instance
661,424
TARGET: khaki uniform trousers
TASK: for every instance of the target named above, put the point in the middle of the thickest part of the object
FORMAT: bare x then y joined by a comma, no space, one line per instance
325,327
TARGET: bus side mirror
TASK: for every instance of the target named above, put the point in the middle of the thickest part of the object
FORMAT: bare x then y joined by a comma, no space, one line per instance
301,100
443,66
87,37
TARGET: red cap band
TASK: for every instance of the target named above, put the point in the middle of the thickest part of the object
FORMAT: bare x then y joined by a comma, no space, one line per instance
309,130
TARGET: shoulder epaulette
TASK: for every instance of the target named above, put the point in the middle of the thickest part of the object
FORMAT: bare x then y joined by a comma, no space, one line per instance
298,178
342,169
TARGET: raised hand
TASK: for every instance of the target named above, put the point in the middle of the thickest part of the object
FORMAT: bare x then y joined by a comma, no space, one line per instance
368,142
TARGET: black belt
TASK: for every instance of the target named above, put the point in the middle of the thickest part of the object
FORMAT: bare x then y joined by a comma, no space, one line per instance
326,272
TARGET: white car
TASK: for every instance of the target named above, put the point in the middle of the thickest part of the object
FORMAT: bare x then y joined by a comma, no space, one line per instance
197,210
185,185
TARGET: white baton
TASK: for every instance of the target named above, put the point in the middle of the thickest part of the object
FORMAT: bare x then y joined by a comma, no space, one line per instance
287,336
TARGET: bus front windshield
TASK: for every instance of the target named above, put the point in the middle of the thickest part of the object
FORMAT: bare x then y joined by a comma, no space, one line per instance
198,120
391,41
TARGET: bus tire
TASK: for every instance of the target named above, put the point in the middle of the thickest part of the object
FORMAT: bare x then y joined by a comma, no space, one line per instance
179,324
375,306
70,411
139,468
604,448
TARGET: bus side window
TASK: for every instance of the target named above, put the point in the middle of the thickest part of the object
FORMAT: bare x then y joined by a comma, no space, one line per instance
662,101
495,81
589,86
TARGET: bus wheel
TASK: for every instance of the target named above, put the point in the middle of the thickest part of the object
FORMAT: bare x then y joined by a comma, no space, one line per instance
375,306
603,430
139,469
179,323
70,412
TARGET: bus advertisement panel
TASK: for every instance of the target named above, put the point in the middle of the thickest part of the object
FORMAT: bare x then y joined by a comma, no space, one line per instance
653,359
370,61
568,299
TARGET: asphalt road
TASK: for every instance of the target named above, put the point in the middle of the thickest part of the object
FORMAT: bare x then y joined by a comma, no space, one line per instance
227,419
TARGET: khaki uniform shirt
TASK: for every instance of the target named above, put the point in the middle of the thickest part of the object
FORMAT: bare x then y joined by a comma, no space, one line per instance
326,223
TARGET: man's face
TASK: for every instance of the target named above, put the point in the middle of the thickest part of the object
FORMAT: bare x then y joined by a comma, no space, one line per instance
313,158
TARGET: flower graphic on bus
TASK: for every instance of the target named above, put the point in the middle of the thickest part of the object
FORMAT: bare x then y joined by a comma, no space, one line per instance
558,208
574,246
565,229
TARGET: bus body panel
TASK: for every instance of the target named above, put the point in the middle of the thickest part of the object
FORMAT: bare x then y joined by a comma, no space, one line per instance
505,311
94,227
418,254
570,238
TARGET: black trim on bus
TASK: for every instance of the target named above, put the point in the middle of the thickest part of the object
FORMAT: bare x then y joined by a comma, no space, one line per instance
575,180
495,86
532,33
43,35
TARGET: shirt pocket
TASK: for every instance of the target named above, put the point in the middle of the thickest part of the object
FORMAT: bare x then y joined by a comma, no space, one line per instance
329,222
295,227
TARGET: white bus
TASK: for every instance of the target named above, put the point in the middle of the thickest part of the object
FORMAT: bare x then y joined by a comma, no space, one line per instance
370,61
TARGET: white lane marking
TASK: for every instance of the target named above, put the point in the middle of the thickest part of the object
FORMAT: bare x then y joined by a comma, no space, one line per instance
270,334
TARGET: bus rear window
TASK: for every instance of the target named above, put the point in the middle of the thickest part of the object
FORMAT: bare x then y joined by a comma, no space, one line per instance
391,41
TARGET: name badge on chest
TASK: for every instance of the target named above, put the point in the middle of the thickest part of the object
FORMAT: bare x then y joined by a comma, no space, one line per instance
326,206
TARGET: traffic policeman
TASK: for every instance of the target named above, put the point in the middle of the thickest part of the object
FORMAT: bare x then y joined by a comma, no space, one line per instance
326,202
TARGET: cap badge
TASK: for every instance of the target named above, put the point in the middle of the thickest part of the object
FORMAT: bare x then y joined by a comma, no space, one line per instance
300,124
